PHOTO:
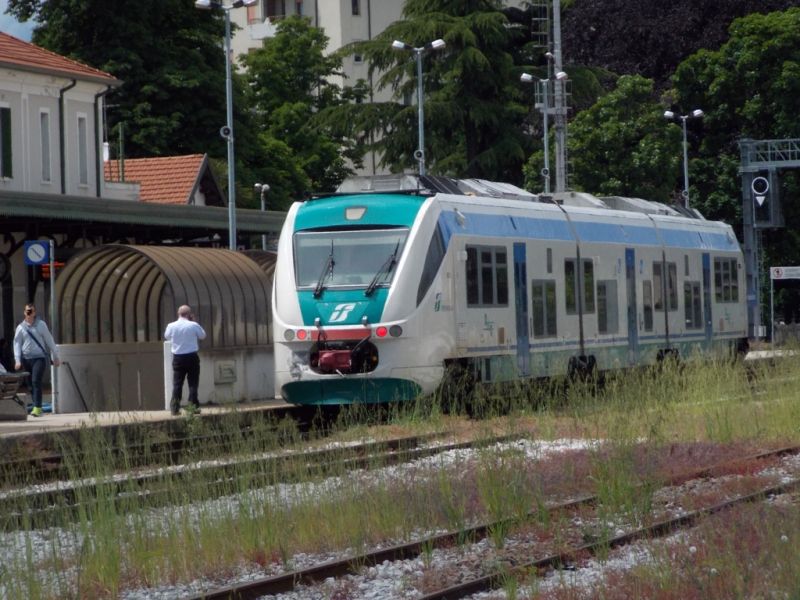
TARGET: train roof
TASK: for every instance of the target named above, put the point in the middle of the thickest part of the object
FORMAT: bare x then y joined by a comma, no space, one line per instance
432,185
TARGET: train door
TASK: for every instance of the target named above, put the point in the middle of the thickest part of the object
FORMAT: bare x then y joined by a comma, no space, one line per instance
707,298
521,304
633,326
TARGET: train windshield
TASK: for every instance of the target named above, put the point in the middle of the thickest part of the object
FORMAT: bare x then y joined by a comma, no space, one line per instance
358,257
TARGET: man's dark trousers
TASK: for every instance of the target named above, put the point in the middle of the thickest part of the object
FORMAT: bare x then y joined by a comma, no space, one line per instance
185,366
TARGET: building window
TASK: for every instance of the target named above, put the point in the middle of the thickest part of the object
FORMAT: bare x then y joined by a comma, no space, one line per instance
6,164
693,305
543,293
487,276
570,281
356,8
358,58
83,152
44,126
299,8
274,9
607,309
647,300
726,280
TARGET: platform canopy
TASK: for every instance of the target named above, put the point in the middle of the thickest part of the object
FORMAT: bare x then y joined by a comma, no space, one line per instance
119,294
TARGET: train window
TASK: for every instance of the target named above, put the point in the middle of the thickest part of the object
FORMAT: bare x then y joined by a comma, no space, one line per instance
350,258
607,308
692,305
549,261
686,265
433,260
726,280
672,285
658,287
569,286
647,301
543,293
473,297
570,282
588,285
487,276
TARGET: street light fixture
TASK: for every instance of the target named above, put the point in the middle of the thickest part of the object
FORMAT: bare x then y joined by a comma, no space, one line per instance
434,45
526,78
263,189
227,130
696,114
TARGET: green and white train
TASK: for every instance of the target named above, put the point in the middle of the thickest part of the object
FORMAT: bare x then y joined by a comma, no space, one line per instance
376,294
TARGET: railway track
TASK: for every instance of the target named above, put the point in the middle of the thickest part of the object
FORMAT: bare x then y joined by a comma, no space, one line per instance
154,488
57,465
316,574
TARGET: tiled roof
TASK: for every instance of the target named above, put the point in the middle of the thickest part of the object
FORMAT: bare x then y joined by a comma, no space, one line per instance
165,180
14,53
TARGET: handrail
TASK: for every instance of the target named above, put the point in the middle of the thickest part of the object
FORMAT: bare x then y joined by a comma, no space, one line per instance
75,383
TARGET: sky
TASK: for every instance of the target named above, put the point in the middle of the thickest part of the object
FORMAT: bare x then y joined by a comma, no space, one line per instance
11,26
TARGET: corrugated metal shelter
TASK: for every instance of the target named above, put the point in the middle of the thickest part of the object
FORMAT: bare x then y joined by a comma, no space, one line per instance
124,294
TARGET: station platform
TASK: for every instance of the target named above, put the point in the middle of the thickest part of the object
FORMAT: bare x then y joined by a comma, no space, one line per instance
40,434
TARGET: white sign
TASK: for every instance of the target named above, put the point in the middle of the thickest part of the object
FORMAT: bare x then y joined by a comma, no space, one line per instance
784,272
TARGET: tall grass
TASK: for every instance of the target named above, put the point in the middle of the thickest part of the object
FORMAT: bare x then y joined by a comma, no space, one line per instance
201,526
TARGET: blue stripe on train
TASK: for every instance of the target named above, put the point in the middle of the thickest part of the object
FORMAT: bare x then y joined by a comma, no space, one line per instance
504,226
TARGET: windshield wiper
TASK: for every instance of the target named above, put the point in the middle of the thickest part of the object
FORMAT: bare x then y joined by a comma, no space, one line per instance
328,268
383,271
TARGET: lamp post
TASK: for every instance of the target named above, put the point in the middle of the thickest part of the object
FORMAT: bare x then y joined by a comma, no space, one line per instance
526,78
227,130
263,189
434,45
696,114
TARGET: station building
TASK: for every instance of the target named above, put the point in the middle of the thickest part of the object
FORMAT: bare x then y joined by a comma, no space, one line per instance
55,184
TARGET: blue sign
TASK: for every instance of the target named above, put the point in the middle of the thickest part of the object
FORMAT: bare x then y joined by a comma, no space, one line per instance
752,301
37,253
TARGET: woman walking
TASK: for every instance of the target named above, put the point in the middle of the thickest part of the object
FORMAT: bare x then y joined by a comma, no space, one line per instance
31,341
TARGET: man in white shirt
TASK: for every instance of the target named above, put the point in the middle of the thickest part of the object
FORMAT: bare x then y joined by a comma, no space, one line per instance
184,334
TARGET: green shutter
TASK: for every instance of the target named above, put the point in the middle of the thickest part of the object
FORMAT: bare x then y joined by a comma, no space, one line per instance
5,142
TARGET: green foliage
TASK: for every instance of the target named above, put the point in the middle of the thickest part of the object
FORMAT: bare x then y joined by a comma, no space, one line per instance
748,88
621,146
474,107
291,80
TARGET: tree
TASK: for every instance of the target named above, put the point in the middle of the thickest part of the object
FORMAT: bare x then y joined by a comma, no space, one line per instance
292,79
473,103
651,37
747,88
621,146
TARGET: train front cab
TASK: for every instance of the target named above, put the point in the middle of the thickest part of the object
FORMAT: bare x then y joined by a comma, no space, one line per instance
342,336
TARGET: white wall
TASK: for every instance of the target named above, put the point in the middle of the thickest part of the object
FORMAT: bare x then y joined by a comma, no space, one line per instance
227,376
26,94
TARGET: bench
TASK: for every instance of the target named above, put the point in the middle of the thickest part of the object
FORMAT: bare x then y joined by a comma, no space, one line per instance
12,407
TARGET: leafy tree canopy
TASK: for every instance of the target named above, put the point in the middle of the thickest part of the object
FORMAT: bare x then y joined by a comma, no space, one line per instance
621,146
473,102
747,88
651,37
292,80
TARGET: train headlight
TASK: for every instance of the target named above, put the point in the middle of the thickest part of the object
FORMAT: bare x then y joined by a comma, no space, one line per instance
395,331
288,335
301,335
381,331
